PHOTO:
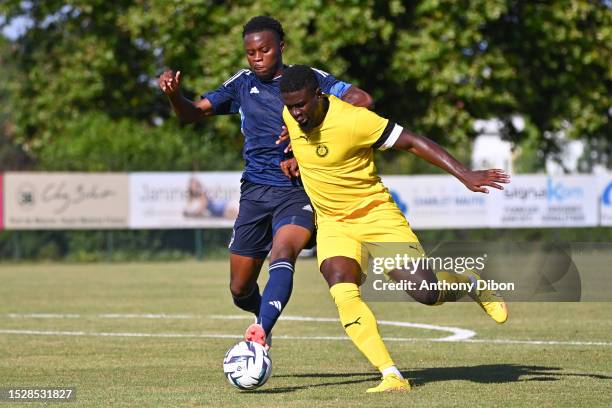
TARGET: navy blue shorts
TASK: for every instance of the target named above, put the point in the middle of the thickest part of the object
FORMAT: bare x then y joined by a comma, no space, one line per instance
263,210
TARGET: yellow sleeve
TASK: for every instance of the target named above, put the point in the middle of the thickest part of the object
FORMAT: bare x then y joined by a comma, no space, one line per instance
291,124
374,131
286,115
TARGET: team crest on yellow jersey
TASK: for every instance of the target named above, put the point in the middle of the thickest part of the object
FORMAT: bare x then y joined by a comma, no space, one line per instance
322,150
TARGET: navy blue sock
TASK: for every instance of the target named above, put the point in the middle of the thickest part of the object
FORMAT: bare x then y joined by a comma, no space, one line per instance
250,302
276,293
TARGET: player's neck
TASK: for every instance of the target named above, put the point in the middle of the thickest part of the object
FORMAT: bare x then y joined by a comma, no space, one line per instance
279,72
321,112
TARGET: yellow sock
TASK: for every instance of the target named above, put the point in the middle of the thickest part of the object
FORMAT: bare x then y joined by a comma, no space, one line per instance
451,295
360,324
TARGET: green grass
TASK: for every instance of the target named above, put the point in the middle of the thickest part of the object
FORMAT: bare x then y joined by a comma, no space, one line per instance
186,371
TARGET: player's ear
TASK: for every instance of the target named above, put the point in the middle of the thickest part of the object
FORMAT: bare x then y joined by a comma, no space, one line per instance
281,46
319,93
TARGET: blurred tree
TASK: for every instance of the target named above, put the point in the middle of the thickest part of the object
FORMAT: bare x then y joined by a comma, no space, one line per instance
12,155
95,142
433,65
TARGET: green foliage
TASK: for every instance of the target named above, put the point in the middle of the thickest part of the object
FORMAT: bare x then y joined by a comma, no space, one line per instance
433,65
95,142
117,246
528,158
12,155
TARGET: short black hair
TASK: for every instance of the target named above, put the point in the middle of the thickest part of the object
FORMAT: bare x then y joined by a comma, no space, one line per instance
298,77
263,23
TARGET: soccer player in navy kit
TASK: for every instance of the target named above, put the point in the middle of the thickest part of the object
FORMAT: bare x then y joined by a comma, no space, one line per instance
275,213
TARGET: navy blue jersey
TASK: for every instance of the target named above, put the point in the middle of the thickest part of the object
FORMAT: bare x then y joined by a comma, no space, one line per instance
261,112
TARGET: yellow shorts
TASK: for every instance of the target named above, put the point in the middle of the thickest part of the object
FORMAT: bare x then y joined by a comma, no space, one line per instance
384,223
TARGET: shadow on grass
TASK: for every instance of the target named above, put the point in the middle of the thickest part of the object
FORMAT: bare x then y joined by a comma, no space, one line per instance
368,377
494,373
486,374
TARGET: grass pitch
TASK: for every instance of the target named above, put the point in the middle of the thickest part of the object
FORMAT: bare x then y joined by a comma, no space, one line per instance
151,335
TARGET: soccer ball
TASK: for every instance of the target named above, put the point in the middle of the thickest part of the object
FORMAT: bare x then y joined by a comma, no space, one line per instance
247,365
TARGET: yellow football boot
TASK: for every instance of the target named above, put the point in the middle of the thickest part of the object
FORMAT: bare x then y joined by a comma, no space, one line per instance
391,383
490,301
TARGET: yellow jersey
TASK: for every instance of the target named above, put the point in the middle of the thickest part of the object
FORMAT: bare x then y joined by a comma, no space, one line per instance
336,160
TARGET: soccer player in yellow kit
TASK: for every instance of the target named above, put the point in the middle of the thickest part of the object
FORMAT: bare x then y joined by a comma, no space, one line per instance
334,144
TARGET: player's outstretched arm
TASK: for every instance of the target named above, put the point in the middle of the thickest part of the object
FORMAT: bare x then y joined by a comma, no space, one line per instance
475,180
358,97
188,111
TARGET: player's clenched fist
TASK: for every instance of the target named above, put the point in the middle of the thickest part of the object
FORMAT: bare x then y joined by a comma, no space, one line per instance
169,81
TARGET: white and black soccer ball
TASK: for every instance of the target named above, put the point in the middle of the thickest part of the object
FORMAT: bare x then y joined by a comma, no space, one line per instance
247,365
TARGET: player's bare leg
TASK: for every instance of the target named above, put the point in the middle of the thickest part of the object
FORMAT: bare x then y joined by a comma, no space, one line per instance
289,241
287,244
244,272
491,302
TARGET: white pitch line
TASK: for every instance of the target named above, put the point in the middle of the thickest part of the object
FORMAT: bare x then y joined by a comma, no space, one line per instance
330,338
101,316
43,315
112,334
458,335
540,342
146,316
177,335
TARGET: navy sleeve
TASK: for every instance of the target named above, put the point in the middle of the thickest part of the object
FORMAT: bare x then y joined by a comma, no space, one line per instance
330,84
225,99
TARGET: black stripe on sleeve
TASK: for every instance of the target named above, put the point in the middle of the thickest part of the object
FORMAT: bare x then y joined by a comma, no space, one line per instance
385,135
